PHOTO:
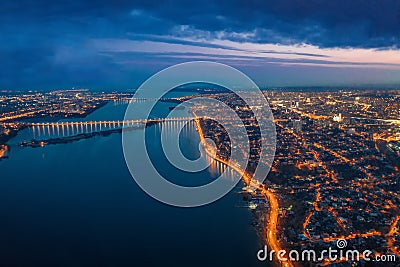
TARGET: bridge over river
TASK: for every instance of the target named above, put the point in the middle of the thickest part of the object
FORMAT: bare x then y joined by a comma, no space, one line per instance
44,130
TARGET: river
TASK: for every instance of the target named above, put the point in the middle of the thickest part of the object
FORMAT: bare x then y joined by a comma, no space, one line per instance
76,204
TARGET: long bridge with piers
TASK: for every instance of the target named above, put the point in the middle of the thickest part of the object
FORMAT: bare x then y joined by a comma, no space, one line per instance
71,128
106,123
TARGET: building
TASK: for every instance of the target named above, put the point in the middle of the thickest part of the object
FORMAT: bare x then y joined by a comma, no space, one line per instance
297,125
338,118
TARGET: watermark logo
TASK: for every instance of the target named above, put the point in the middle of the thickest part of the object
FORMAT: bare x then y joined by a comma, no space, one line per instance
324,257
341,243
137,158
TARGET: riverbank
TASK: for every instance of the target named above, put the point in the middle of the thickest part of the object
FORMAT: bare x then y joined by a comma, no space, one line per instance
272,223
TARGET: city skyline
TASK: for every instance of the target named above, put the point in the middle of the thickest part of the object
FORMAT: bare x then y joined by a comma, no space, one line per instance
333,178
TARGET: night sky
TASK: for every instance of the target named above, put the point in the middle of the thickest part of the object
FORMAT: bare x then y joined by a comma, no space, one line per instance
119,44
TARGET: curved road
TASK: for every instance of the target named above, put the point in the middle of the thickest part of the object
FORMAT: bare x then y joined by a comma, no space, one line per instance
271,229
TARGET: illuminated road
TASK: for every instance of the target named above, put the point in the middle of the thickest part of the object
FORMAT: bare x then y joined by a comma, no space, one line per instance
310,115
271,228
391,121
18,116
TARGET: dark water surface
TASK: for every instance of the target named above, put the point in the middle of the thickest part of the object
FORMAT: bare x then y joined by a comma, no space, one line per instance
76,204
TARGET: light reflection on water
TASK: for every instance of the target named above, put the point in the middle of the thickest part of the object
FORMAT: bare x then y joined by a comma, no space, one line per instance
75,204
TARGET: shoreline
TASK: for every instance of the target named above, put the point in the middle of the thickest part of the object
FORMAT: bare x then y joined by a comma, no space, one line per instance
68,139
273,217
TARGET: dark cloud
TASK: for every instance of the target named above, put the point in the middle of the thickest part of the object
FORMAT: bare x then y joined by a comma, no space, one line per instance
43,41
356,23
